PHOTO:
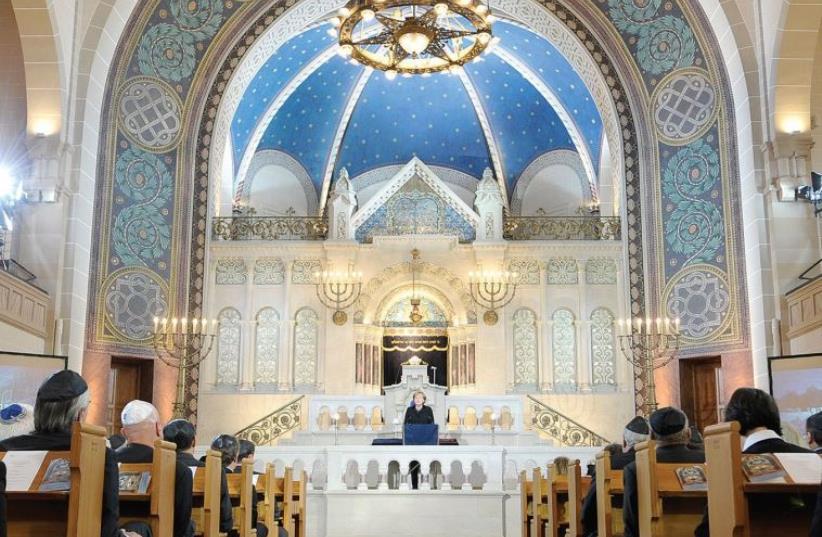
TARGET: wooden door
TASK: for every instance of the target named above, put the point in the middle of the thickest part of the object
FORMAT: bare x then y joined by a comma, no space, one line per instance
700,390
129,379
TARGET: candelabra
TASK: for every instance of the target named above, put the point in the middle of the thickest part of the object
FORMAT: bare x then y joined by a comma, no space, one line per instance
184,344
649,344
338,291
492,291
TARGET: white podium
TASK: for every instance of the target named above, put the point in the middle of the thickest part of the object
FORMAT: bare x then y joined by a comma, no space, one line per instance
398,396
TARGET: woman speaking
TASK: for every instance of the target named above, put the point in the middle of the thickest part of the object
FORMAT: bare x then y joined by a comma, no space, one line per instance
418,413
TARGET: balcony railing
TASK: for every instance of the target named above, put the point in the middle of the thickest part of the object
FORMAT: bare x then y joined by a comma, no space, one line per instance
268,228
563,228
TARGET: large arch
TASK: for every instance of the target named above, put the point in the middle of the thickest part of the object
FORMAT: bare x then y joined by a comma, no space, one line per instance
586,23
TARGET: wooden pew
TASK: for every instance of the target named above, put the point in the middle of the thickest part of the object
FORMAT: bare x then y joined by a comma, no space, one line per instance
270,488
556,500
526,498
539,496
665,510
730,493
239,490
156,506
577,489
609,485
206,491
300,499
75,512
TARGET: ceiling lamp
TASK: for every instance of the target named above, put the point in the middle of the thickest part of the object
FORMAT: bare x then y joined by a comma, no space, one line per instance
414,36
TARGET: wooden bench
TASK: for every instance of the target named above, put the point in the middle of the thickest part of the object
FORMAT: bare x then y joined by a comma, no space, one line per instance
664,508
206,491
33,513
526,499
609,486
578,487
290,493
729,492
155,507
239,490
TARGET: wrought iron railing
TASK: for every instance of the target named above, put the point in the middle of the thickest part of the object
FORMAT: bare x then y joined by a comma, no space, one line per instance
265,431
562,428
268,228
563,228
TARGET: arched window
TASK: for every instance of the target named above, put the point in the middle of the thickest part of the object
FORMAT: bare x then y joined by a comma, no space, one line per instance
603,360
564,350
306,330
526,351
267,346
228,347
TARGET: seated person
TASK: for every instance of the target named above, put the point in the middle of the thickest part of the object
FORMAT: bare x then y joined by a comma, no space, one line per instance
813,432
229,448
669,427
760,425
141,427
561,466
246,451
181,433
62,399
635,431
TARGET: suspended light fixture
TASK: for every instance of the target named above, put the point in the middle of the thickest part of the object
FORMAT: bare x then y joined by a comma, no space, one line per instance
414,36
415,316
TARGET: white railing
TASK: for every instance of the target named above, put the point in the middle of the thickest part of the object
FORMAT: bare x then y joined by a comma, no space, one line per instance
356,413
476,413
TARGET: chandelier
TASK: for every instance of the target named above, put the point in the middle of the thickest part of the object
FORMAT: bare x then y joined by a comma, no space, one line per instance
414,36
415,316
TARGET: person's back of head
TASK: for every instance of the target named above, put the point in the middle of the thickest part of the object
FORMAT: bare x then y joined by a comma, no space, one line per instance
141,423
636,431
813,426
247,449
561,465
181,433
613,449
62,399
753,409
228,447
669,426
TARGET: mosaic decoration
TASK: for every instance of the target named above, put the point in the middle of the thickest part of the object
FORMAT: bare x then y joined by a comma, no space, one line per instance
306,334
302,271
562,271
603,354
231,271
150,113
527,269
564,348
399,314
684,105
525,348
269,271
601,271
141,234
228,347
133,299
701,299
267,347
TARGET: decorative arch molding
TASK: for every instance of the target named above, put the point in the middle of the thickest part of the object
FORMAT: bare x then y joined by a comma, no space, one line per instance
385,173
455,296
404,292
273,157
644,162
565,157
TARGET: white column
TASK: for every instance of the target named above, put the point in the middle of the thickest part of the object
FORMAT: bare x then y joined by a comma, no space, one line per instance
548,354
247,327
583,350
286,334
208,370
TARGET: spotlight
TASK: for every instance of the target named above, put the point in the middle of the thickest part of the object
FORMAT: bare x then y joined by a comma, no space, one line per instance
8,184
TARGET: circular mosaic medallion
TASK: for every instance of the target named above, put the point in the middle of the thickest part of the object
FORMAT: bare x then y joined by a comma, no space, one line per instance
685,106
700,298
133,297
150,113
664,44
167,52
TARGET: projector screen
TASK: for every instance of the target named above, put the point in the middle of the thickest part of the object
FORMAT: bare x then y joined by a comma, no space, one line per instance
796,384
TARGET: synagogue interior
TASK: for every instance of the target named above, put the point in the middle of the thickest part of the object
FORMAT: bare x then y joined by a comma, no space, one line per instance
356,268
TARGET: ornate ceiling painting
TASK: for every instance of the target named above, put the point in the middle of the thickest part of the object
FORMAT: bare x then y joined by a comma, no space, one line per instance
662,74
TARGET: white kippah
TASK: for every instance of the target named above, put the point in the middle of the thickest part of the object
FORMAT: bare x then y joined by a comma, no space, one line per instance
137,412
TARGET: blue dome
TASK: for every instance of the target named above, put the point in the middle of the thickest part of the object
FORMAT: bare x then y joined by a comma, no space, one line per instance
520,101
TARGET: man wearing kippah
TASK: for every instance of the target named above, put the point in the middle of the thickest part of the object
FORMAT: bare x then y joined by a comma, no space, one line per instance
669,428
63,399
636,431
141,427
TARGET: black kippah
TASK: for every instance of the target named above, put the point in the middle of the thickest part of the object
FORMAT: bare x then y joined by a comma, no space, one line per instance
638,425
62,386
668,420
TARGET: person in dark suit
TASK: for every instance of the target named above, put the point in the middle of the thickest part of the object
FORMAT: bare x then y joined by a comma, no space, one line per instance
813,431
141,428
636,431
62,399
181,433
669,427
246,451
418,413
2,499
759,423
